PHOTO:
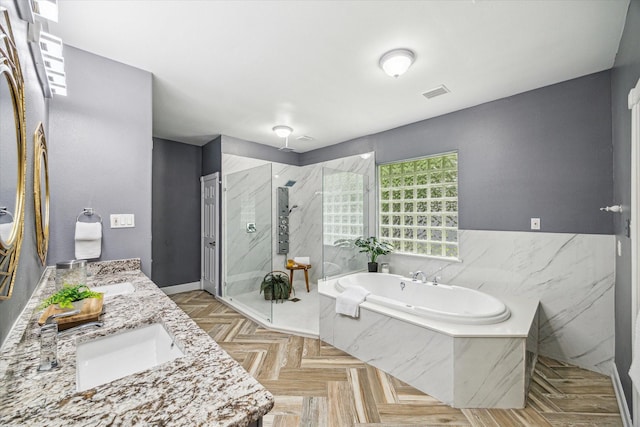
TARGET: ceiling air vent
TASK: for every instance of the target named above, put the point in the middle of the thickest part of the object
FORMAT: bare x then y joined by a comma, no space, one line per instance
304,138
437,91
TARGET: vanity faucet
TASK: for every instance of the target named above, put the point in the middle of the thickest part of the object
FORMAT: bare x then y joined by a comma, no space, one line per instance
414,276
49,341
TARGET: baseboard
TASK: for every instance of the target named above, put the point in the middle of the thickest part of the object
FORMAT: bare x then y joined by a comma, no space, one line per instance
184,287
622,402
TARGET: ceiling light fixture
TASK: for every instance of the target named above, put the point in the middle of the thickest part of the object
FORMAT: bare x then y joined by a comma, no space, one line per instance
50,44
282,131
396,62
47,9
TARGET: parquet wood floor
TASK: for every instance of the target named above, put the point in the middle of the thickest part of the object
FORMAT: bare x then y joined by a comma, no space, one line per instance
315,384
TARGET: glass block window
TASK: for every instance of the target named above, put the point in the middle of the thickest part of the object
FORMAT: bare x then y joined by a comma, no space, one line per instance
418,209
343,206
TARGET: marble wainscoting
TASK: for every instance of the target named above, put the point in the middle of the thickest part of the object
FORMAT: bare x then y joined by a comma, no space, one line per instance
571,274
464,366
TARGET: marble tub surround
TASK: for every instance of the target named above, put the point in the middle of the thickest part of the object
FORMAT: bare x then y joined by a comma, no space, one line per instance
464,366
571,274
205,387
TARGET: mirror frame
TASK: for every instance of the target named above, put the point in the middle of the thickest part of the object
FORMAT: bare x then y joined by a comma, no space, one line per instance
11,69
40,159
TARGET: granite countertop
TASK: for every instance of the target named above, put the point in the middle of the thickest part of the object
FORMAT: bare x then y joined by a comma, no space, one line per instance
205,387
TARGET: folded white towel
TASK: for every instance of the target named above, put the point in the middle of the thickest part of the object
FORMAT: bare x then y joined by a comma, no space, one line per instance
348,302
5,230
301,260
88,240
634,369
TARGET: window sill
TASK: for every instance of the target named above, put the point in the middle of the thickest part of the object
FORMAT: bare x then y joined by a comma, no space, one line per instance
433,257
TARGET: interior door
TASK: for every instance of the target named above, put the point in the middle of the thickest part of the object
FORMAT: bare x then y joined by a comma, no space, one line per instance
209,232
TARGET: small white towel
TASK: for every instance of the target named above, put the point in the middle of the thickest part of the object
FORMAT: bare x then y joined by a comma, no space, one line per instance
302,260
634,369
348,302
88,240
5,231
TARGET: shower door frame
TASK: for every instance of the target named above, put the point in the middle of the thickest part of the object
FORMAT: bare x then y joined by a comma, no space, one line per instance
634,106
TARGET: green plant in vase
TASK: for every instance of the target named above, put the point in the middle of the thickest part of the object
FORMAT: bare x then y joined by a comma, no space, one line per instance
373,248
276,286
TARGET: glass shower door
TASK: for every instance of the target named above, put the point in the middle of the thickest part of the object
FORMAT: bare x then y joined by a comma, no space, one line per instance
344,218
248,238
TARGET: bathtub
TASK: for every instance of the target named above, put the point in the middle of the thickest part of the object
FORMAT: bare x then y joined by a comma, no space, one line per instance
452,304
460,346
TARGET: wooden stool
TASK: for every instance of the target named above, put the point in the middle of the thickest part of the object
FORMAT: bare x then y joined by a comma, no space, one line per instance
295,267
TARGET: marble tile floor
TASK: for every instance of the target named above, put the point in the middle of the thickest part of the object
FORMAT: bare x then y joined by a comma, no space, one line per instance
315,384
301,315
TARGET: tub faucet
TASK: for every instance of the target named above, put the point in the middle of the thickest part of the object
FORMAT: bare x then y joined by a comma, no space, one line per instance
414,276
49,341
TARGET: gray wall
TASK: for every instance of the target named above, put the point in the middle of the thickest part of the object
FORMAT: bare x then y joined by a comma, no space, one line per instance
544,153
100,155
29,267
212,157
624,77
175,212
240,147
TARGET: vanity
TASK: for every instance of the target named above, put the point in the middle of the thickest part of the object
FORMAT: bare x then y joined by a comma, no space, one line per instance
205,386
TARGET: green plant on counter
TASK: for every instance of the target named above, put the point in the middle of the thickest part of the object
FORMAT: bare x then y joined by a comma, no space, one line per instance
69,294
276,286
373,247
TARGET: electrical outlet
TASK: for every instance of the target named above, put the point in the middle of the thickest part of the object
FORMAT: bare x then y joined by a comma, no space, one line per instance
535,223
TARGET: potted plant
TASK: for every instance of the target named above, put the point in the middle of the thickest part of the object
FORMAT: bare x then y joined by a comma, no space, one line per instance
68,295
373,247
276,286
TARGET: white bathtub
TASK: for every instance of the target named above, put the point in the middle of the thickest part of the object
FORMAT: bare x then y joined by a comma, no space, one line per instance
439,302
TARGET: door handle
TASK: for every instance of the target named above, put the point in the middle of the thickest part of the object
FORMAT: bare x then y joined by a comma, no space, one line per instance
212,243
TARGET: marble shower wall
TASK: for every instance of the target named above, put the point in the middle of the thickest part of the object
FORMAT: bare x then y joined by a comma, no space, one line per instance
247,255
571,274
305,221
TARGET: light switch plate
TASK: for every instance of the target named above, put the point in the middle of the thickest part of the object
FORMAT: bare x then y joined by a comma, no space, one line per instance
122,220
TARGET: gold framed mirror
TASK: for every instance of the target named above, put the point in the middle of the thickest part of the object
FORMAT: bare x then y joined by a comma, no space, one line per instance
41,192
13,157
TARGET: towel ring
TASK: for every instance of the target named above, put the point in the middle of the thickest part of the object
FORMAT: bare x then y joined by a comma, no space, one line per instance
4,211
88,212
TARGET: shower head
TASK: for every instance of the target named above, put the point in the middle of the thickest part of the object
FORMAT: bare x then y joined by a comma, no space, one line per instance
290,183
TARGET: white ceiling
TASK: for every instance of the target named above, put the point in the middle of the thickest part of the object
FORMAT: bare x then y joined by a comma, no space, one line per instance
239,68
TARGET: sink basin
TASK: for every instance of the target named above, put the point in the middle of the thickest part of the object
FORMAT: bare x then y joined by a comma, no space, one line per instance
115,289
106,359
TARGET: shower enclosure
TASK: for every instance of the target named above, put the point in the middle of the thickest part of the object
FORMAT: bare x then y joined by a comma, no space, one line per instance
247,256
331,210
345,213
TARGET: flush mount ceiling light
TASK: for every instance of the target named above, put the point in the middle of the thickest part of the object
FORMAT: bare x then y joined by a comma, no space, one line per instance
396,62
282,131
